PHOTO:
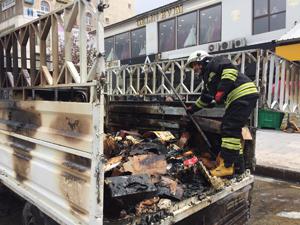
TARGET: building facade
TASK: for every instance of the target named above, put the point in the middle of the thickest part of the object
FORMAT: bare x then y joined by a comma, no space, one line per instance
118,10
14,13
177,29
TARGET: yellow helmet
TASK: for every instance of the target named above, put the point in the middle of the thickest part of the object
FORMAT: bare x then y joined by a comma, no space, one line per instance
198,56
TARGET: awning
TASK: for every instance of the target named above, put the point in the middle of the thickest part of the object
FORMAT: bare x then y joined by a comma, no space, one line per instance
288,46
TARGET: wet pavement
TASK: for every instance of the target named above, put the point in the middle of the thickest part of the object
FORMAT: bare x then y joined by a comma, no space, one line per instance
274,203
278,149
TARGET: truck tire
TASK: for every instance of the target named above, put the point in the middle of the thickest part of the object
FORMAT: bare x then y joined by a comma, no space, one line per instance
33,216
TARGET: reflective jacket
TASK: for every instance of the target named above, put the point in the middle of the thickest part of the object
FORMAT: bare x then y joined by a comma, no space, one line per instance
221,75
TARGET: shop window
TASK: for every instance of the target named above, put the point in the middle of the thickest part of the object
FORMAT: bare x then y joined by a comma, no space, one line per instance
210,24
122,46
138,42
187,30
109,49
166,35
268,15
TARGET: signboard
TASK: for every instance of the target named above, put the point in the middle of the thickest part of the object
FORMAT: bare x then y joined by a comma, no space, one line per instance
6,4
163,14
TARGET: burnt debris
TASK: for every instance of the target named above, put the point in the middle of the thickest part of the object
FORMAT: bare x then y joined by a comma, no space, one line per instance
146,173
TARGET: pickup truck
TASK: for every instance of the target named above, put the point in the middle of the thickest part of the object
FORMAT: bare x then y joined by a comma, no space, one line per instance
48,158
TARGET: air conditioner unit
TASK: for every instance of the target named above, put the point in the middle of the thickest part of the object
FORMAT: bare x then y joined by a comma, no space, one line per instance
240,42
225,45
213,47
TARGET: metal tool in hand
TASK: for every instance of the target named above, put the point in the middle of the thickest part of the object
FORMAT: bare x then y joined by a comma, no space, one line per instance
189,115
216,182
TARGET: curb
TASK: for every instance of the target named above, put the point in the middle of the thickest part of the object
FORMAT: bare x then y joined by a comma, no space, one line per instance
278,173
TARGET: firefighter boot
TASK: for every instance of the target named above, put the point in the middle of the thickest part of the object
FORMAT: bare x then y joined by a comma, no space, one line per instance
239,165
221,170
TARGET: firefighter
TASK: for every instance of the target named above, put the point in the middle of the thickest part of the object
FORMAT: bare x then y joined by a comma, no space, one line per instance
223,83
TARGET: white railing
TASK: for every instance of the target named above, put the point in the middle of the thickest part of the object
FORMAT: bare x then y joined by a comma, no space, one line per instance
280,84
264,67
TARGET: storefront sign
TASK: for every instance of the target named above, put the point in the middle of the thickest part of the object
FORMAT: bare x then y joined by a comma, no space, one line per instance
164,14
6,4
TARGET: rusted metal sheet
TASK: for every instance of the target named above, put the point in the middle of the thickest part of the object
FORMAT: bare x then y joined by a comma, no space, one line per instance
63,123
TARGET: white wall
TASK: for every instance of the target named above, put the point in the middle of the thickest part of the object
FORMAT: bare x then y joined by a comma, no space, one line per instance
236,19
293,13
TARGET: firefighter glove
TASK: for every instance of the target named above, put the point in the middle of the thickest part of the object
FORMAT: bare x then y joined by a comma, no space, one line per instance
192,109
219,97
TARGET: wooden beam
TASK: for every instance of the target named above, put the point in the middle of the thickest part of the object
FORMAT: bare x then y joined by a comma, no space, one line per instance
34,27
68,45
42,57
23,57
73,71
55,54
15,70
2,70
32,53
26,76
72,16
59,19
10,78
82,42
25,36
46,28
47,75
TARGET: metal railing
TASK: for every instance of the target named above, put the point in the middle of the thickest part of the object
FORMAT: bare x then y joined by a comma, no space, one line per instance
50,44
280,84
147,79
265,68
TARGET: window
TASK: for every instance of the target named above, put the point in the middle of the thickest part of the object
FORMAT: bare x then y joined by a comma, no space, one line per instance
88,19
129,6
166,35
138,42
29,12
106,19
109,49
187,30
122,46
45,7
210,24
268,15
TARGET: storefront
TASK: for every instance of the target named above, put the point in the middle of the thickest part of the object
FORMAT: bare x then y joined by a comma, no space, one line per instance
177,29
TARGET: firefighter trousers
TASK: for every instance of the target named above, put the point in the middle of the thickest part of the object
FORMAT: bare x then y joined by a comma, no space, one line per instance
235,118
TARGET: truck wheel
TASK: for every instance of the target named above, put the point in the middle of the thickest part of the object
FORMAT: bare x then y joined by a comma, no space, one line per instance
33,216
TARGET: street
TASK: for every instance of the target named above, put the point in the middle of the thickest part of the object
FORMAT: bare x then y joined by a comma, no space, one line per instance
274,203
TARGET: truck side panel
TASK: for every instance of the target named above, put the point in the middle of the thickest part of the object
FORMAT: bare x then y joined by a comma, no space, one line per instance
54,177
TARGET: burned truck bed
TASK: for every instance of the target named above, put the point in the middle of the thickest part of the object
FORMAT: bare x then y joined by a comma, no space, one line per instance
153,176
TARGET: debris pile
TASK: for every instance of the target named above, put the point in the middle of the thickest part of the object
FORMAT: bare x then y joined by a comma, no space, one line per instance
146,172
291,123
